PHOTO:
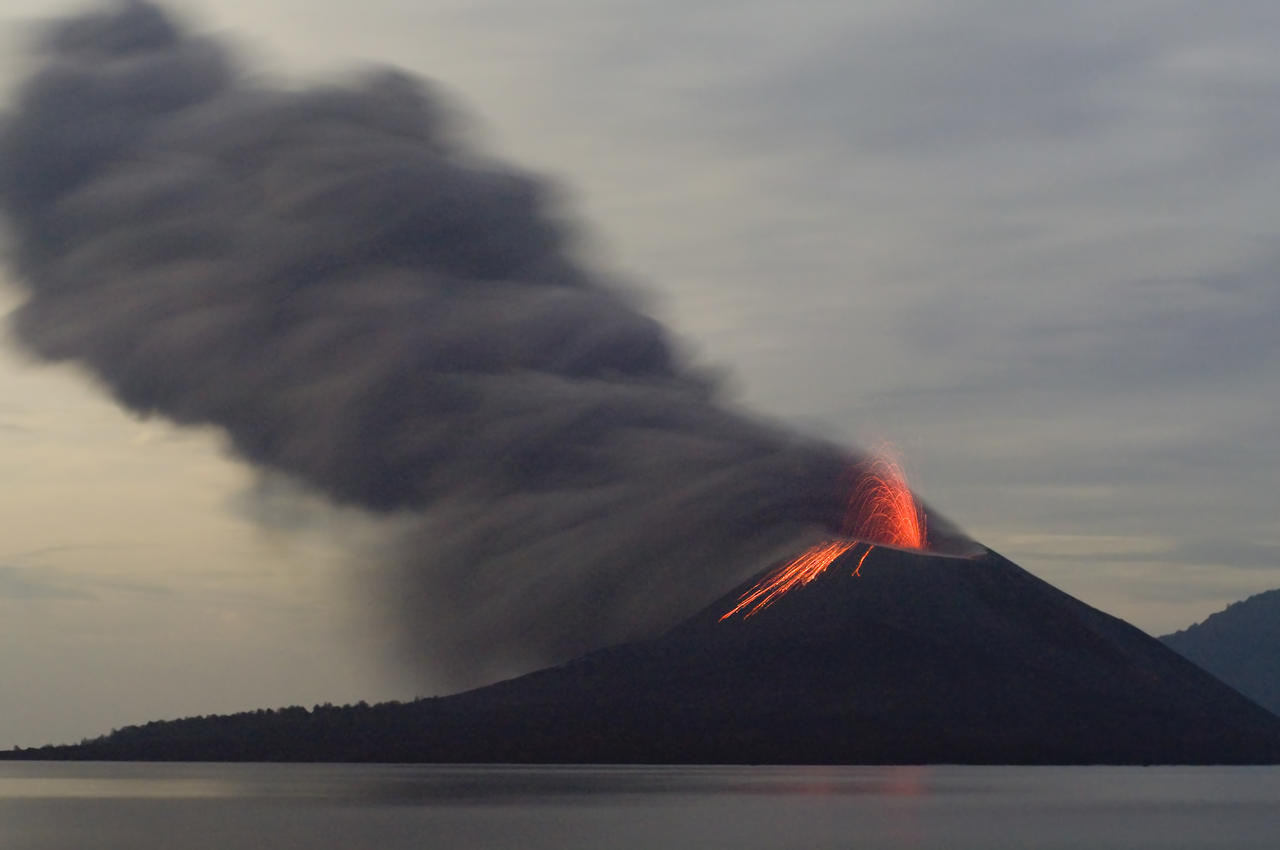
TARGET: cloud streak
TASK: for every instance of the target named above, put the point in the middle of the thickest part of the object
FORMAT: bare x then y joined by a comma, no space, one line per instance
23,584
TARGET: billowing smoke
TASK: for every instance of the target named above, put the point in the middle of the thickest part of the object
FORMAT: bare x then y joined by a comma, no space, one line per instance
367,306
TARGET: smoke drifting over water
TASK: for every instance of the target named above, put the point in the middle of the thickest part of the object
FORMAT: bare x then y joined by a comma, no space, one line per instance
393,320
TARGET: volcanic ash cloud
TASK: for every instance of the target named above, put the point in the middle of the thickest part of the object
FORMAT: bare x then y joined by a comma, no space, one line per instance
366,305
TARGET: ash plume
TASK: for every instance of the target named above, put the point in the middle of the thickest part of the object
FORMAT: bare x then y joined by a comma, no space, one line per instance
368,306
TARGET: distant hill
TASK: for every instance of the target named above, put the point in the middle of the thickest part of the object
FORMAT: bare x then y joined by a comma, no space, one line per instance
921,659
1241,646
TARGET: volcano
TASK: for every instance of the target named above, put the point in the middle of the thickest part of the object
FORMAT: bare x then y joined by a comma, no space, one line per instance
921,658
918,659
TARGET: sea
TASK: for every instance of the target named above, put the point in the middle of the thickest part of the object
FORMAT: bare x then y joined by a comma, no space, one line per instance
133,806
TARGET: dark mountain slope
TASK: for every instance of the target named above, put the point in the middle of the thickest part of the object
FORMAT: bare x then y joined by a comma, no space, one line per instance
1241,646
921,659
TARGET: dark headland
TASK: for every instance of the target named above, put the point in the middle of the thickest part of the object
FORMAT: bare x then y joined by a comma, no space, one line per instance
1240,645
920,659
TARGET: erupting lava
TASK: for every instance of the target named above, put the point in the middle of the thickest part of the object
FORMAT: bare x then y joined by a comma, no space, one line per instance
881,510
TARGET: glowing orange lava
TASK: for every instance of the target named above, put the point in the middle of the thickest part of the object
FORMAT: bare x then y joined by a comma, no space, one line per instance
881,510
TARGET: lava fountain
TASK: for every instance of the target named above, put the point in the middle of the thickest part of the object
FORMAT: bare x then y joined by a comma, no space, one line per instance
881,511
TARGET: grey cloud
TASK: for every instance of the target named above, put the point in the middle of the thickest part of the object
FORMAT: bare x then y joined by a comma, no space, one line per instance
1242,554
1208,553
938,80
1159,332
955,78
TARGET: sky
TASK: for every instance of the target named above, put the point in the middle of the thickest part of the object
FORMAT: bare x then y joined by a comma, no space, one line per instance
1027,243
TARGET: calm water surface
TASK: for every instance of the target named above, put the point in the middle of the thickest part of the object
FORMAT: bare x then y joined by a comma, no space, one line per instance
180,806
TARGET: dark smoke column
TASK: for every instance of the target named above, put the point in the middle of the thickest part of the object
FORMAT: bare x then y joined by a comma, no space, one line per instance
365,305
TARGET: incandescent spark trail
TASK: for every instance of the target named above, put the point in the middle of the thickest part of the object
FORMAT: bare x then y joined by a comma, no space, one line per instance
881,510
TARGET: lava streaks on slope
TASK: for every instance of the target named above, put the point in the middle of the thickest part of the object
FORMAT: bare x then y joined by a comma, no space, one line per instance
881,511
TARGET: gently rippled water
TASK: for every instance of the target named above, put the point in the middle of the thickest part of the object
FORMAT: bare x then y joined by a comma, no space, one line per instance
197,806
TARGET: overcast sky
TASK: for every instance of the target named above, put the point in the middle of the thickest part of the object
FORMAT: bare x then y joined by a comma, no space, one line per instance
1031,244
